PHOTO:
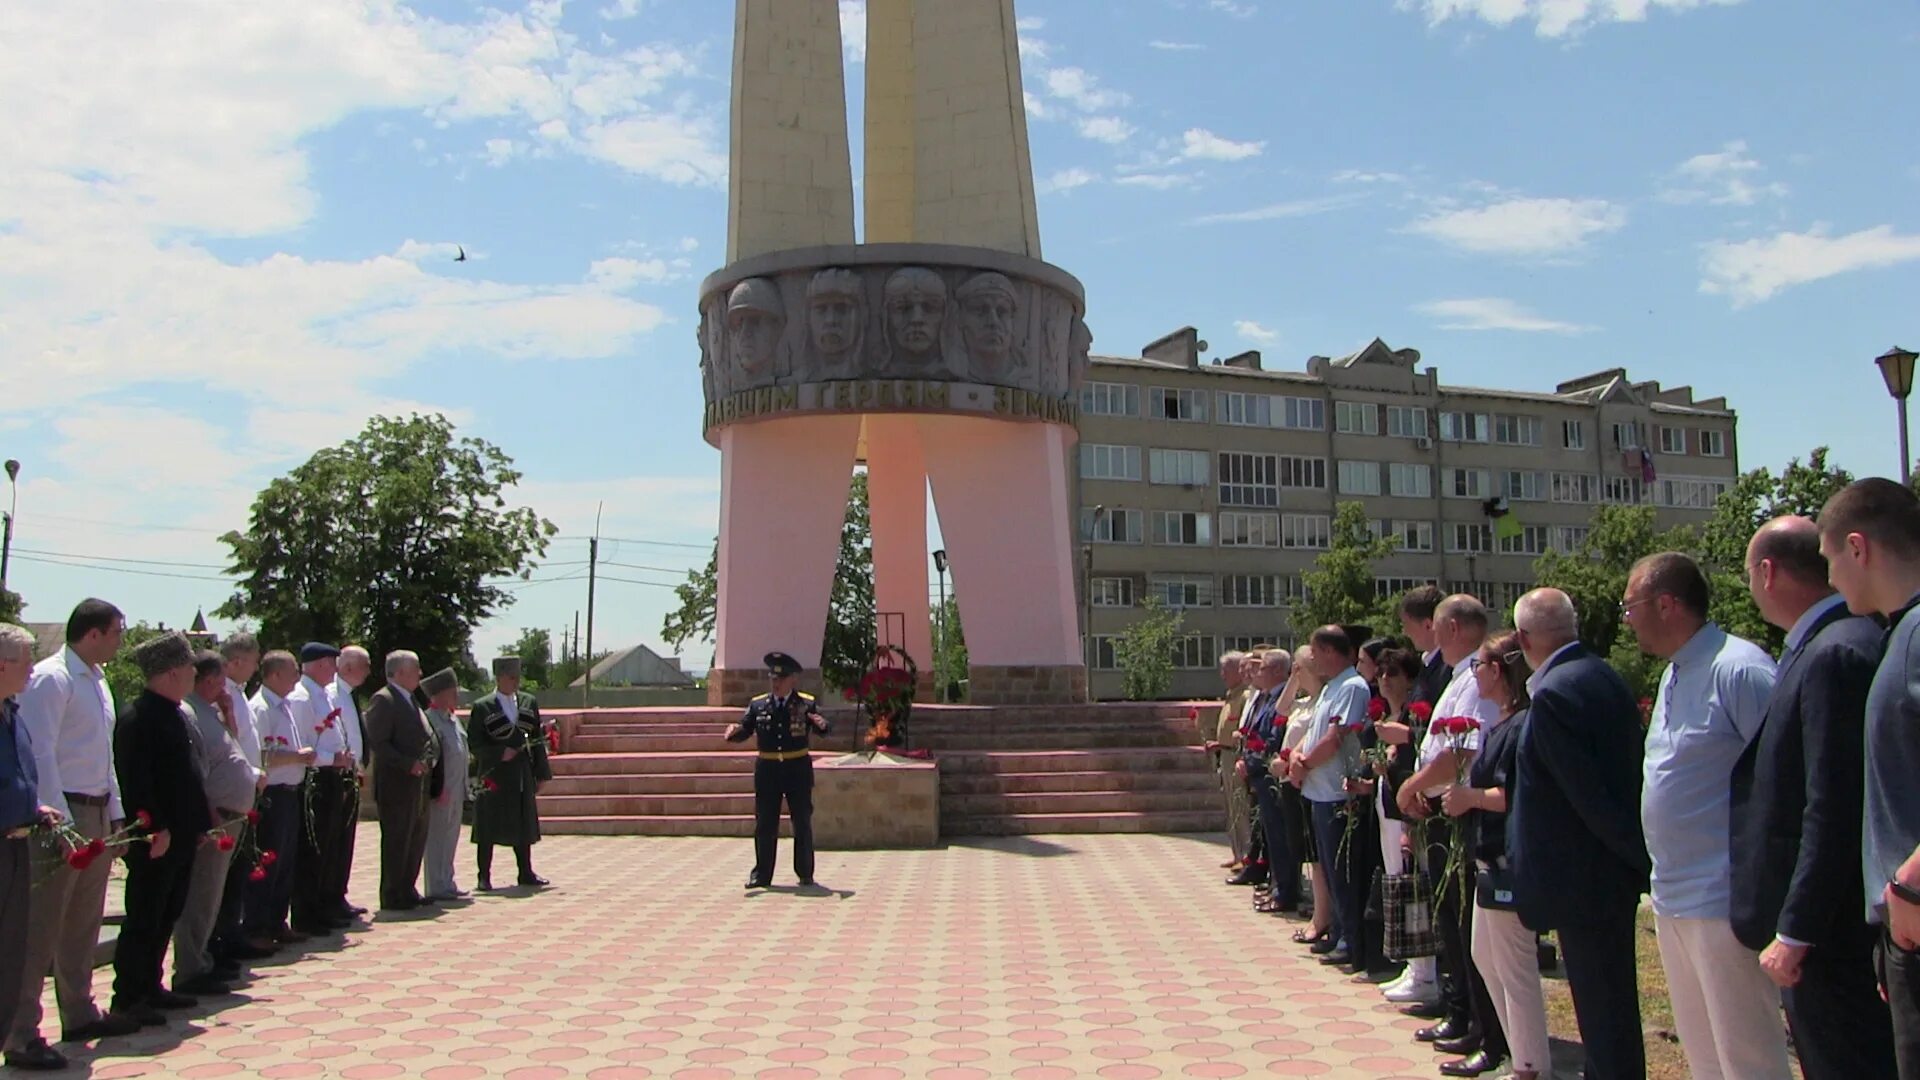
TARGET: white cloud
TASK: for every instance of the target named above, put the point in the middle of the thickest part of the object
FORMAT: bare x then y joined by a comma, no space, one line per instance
1066,180
1030,22
1550,18
1254,332
501,151
1729,176
1156,181
1082,89
1036,108
1106,129
1199,143
853,30
620,9
1493,313
620,274
1230,7
1276,211
1526,227
665,147
1175,46
1755,270
1362,176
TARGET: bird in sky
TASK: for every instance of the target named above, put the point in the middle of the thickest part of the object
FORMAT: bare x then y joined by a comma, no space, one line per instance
462,257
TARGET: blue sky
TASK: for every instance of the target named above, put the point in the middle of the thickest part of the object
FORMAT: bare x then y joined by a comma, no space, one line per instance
227,238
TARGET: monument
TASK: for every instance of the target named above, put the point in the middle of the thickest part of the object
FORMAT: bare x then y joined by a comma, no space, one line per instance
939,349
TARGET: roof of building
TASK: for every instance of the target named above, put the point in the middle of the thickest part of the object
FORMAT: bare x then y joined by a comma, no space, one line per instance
638,666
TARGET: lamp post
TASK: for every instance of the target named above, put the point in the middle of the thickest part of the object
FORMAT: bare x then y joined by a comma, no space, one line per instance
1086,560
13,504
1896,367
940,627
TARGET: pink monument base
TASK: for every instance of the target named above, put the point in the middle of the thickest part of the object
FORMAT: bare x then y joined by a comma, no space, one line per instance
1026,684
737,686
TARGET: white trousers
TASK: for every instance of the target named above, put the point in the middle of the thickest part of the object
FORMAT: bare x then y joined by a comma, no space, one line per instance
443,839
1504,953
1726,1009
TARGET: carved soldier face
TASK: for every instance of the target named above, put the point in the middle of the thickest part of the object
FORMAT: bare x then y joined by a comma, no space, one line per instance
986,321
834,313
754,322
916,304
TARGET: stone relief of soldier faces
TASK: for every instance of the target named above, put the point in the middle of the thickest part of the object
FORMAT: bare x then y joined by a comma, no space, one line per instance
949,325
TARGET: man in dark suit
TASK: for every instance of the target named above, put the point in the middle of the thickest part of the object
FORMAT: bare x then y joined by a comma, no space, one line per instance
1579,859
404,751
1797,890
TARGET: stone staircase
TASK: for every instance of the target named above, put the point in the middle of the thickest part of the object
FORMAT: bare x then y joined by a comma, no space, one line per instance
1008,770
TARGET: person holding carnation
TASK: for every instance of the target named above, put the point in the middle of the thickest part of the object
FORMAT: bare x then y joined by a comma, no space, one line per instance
229,779
20,811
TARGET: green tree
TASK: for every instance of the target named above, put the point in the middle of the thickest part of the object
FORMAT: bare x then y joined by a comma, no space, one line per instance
1340,588
1755,499
850,638
123,675
11,606
949,651
535,650
399,538
1144,651
1595,577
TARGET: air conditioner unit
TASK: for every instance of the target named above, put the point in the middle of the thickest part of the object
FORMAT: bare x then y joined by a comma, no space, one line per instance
1423,442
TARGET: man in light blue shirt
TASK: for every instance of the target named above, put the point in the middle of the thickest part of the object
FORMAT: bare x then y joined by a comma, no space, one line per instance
1329,754
1710,706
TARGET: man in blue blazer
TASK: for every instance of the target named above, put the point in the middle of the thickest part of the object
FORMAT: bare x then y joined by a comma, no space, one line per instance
1797,791
1578,857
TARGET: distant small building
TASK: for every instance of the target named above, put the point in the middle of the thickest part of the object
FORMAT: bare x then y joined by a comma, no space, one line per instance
198,633
47,638
638,666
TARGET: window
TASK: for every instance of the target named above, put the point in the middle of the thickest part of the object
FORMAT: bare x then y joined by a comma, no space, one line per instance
1407,422
1463,427
1116,526
1568,538
1511,430
1267,410
1626,436
1196,652
1300,413
1384,587
1356,418
1313,532
1104,658
1626,490
1526,485
1243,642
1573,434
1110,399
1359,477
1411,535
1177,466
1255,590
1102,462
1481,589
1167,403
1713,443
1463,538
1688,492
1574,487
1673,440
1411,481
1303,472
1533,540
1112,592
1249,480
1182,528
1182,590
1249,530
1505,596
1469,484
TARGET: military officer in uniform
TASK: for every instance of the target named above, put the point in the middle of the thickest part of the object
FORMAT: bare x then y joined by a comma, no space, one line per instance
508,742
782,721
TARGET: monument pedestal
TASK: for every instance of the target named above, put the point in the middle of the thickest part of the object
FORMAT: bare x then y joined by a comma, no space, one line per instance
882,802
1026,684
737,686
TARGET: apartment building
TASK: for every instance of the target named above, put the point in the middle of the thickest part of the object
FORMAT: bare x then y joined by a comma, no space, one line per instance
1213,485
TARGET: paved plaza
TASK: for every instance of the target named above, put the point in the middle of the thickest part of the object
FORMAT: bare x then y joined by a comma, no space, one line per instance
1039,958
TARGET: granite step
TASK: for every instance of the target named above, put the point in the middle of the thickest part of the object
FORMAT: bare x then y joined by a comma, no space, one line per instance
632,804
1054,803
1064,760
737,825
1154,821
955,784
628,763
690,783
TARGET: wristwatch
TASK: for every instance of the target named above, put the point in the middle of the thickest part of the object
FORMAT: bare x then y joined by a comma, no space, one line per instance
1905,892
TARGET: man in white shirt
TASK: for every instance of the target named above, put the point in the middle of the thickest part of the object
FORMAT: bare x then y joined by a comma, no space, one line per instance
354,667
1470,1025
285,753
69,712
240,654
330,789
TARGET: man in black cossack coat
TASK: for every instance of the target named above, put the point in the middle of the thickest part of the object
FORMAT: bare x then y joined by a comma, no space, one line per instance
509,745
782,721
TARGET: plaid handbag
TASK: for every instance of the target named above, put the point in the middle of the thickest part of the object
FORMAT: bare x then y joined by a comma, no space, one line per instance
1408,906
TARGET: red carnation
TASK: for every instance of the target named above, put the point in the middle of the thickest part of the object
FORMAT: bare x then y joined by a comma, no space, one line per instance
79,860
318,728
225,843
1377,709
268,858
259,874
1420,711
253,817
143,819
96,847
1256,744
850,694
490,783
1193,712
1646,703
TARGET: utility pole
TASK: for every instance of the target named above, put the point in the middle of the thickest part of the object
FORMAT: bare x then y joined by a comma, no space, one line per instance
574,642
13,505
593,566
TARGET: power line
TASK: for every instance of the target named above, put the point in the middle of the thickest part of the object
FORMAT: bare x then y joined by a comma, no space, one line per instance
120,559
121,569
654,569
651,543
631,581
575,576
121,526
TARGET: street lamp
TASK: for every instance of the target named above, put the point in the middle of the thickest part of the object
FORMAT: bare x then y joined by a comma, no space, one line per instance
940,647
1086,559
1896,367
13,504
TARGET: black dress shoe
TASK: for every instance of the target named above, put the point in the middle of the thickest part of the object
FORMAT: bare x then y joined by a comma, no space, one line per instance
168,999
1335,957
534,881
1323,946
757,883
1445,1029
1424,1011
110,1025
207,985
1473,1065
485,884
245,951
144,1015
1466,1045
405,905
354,911
806,883
36,1056
1249,875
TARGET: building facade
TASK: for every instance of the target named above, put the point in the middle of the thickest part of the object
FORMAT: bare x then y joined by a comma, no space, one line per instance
1213,485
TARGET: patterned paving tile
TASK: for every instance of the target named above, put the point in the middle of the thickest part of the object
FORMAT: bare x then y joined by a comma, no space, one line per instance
1035,957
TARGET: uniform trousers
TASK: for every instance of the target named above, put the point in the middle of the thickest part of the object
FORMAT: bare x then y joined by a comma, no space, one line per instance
279,830
63,920
16,886
1598,955
156,894
772,782
1507,956
1283,861
1239,805
193,933
1899,972
1725,1009
443,838
316,897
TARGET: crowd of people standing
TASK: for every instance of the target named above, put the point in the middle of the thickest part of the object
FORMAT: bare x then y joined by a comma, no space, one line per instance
236,815
1460,792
